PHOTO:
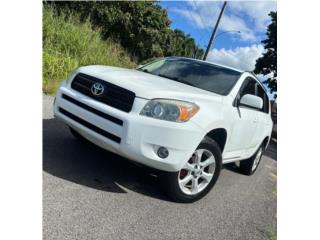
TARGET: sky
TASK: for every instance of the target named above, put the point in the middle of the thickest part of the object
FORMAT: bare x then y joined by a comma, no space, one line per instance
238,50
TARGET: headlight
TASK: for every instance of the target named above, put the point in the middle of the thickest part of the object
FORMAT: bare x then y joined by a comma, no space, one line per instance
169,110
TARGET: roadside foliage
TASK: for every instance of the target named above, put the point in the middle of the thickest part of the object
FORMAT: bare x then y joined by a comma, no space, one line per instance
110,33
267,63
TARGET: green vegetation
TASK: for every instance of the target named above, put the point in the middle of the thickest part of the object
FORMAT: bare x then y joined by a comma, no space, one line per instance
272,233
267,64
141,27
121,33
69,43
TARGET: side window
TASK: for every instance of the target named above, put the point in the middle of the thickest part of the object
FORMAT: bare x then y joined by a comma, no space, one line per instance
267,105
261,93
249,87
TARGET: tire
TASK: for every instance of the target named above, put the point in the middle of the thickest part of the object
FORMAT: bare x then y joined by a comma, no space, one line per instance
203,174
249,166
78,135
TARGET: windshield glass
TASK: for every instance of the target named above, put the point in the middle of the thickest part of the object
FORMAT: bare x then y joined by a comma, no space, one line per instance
202,75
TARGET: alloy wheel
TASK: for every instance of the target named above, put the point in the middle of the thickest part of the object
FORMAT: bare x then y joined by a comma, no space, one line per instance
197,173
256,159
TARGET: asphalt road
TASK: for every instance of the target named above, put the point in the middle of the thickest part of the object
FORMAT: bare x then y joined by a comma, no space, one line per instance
89,193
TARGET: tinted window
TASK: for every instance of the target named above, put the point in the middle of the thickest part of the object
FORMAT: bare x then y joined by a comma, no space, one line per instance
251,86
198,74
261,93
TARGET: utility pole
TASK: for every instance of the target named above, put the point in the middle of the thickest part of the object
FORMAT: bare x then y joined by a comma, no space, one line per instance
214,31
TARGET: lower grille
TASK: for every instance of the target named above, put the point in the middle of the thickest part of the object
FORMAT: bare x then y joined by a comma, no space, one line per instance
93,110
90,126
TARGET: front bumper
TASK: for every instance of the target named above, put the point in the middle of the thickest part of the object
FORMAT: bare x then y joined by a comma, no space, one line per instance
130,135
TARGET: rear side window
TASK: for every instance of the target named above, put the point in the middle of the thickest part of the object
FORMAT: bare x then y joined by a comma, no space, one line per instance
261,93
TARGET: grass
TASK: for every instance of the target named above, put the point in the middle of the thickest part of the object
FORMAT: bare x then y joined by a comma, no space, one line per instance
69,43
272,233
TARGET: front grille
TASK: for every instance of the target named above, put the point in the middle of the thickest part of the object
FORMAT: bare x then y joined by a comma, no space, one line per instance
113,95
90,126
93,110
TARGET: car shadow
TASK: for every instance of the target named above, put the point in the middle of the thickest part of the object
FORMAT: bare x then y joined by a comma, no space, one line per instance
86,164
271,151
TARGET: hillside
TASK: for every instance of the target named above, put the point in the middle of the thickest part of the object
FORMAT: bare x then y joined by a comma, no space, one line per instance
69,43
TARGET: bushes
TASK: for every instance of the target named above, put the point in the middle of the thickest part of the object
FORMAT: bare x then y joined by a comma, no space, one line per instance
69,43
141,27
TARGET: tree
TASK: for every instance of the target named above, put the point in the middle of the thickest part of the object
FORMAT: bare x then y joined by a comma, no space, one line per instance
267,64
141,27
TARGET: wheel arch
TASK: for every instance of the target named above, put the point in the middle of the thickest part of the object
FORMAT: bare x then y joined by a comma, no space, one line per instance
265,142
219,135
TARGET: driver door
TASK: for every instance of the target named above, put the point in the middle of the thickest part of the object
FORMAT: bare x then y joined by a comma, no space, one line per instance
245,122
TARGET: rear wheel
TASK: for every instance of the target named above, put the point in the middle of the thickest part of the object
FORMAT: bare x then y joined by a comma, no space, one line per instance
249,166
197,176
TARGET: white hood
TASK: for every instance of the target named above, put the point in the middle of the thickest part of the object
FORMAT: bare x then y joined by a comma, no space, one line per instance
146,85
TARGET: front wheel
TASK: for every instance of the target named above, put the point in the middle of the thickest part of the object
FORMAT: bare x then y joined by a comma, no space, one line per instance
197,176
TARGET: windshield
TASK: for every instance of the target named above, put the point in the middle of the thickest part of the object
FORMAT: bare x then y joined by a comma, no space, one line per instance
202,75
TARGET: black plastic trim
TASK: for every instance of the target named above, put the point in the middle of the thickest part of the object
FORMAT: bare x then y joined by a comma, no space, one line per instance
93,110
90,126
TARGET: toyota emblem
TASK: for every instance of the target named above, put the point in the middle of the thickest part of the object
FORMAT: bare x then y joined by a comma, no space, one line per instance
97,89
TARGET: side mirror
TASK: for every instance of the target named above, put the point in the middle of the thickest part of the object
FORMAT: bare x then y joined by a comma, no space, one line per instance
251,101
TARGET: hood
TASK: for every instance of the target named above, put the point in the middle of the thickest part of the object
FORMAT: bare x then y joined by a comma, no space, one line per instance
146,85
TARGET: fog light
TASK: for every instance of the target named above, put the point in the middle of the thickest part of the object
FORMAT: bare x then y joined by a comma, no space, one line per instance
163,152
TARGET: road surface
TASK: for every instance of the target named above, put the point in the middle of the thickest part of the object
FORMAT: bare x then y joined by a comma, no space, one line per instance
89,193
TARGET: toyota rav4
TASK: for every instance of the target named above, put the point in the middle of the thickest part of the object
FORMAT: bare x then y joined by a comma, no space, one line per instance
181,116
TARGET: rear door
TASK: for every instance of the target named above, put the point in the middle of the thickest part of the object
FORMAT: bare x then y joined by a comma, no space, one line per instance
264,119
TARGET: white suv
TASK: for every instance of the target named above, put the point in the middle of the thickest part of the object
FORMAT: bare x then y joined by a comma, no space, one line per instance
184,117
